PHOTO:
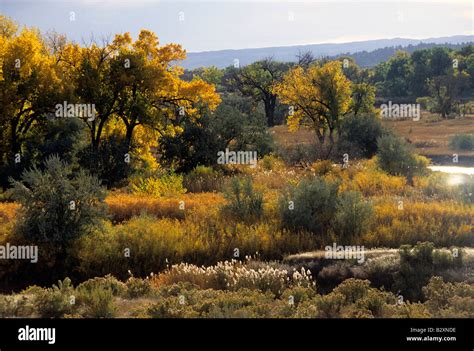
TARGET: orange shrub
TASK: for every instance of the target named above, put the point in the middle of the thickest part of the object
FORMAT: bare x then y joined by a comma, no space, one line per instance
372,183
443,223
7,216
125,206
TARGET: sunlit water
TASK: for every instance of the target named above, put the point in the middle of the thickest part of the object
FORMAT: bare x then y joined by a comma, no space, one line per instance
453,169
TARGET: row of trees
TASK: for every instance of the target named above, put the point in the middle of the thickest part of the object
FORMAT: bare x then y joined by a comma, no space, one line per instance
134,87
418,74
439,73
141,98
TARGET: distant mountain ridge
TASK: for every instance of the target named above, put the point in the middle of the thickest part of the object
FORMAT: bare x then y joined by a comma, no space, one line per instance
358,50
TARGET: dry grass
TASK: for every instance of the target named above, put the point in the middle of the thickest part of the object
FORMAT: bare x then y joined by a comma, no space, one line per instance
432,137
283,136
125,206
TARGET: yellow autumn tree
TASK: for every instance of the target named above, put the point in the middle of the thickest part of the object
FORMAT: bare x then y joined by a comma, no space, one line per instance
152,97
29,85
318,96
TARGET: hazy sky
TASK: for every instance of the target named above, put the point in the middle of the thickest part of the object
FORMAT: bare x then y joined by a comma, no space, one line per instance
213,25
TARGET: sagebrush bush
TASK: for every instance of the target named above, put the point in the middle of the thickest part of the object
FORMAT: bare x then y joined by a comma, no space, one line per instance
309,206
203,179
244,203
54,302
353,216
108,282
462,142
396,157
57,205
15,306
99,303
298,153
445,300
418,264
185,296
137,287
362,131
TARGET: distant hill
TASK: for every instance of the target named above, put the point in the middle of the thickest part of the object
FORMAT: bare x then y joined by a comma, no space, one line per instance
366,53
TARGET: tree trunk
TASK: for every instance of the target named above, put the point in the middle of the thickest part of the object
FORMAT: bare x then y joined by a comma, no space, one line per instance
270,103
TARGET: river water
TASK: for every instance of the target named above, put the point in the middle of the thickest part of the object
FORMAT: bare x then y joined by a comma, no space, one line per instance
453,169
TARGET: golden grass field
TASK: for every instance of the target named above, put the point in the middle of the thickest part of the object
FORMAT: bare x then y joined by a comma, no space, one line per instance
430,135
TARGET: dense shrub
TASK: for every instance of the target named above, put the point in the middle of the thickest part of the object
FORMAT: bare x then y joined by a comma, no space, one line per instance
15,306
298,153
361,131
244,203
353,216
418,264
107,282
395,157
57,207
462,142
234,124
446,300
98,303
309,206
63,137
236,290
57,301
137,287
108,161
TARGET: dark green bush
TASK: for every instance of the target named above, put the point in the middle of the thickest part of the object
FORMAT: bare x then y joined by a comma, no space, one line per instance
353,216
54,302
395,156
310,206
362,131
58,206
418,264
462,142
108,161
243,202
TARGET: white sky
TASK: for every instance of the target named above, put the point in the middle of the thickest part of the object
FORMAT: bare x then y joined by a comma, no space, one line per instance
225,24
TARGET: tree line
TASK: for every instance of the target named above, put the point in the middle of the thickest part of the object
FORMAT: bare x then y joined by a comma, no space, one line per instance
143,100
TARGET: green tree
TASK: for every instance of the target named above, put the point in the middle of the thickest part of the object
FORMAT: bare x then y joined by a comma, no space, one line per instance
257,80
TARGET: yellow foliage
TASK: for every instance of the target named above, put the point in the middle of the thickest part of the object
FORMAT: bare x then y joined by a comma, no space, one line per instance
319,95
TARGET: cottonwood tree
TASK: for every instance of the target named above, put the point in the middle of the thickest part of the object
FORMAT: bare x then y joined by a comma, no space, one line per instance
256,81
139,83
444,90
29,85
319,96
